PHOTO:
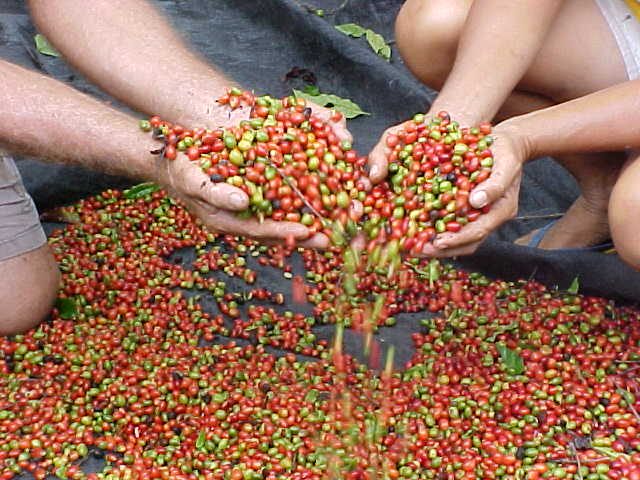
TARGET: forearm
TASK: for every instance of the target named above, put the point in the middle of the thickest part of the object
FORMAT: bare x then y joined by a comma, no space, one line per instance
45,118
127,48
608,120
499,42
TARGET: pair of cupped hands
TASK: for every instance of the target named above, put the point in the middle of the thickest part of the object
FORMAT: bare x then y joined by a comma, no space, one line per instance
216,204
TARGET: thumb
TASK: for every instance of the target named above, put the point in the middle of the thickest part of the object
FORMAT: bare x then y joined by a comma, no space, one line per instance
494,187
222,195
377,163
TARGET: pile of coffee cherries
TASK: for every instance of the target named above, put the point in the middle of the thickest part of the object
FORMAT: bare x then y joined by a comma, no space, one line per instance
161,363
174,353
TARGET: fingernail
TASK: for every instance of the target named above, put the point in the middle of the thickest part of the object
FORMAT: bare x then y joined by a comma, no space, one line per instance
478,199
236,200
374,171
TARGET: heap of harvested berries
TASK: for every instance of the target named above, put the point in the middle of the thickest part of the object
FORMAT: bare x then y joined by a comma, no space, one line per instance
434,164
288,161
156,360
509,380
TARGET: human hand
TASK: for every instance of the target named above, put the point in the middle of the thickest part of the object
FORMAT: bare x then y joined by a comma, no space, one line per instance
216,204
221,116
377,162
500,190
335,119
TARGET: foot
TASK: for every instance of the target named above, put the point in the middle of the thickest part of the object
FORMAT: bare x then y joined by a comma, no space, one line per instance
586,222
584,225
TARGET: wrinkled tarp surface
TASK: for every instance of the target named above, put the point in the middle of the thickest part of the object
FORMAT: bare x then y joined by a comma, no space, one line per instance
256,42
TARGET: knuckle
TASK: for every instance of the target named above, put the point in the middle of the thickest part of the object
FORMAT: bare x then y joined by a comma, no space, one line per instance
480,234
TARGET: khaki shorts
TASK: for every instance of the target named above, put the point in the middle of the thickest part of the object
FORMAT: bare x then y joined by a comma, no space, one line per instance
20,229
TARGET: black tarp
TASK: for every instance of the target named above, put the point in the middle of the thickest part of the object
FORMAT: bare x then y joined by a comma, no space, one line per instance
257,42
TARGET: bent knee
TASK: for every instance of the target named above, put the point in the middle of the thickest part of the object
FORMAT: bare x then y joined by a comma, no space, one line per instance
28,288
624,215
427,33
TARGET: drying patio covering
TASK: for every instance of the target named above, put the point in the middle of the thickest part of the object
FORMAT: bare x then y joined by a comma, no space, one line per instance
257,42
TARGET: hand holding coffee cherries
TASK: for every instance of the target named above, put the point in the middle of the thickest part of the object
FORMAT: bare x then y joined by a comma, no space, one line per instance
438,189
287,169
240,178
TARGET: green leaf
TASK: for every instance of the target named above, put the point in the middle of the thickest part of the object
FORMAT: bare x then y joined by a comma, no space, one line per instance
385,52
44,47
375,40
609,452
347,107
574,287
202,437
311,89
141,190
434,271
351,29
311,396
500,330
377,43
511,359
66,308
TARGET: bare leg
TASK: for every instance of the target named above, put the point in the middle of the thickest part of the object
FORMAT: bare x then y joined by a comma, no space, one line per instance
28,287
427,32
624,212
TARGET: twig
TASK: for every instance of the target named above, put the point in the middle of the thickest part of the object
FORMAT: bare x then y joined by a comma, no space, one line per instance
575,462
629,370
575,454
297,192
623,393
536,217
416,269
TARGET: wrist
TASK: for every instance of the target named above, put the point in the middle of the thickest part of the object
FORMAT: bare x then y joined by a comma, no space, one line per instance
521,142
466,117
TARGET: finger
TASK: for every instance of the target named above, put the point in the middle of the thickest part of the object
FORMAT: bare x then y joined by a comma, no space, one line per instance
339,127
188,179
252,228
341,131
225,196
359,242
318,241
469,249
477,231
504,172
356,209
378,165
